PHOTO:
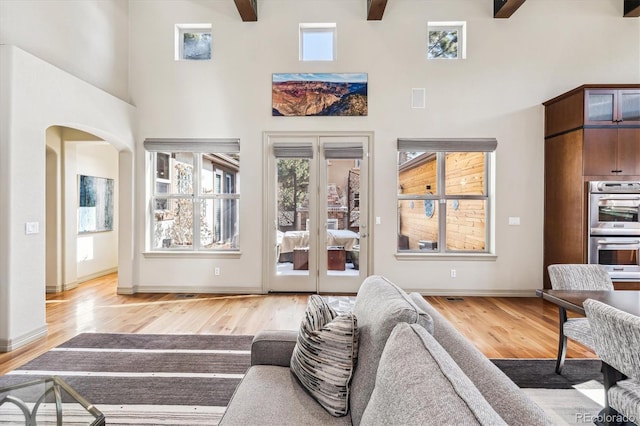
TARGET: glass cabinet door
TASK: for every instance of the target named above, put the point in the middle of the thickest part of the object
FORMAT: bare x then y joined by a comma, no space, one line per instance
612,107
600,106
630,106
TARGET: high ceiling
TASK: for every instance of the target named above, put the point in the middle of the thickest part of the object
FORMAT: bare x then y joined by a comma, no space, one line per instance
248,9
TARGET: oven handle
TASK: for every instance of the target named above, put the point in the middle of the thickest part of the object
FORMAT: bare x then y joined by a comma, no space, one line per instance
618,198
619,243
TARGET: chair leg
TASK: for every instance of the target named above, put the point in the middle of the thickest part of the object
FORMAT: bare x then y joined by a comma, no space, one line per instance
562,339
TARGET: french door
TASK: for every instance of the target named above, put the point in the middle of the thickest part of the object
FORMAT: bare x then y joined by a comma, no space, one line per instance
316,203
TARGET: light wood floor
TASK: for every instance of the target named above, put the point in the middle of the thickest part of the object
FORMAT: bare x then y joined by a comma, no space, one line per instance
500,327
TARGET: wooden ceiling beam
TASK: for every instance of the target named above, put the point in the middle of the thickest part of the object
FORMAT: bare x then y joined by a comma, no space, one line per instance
248,10
375,9
631,8
505,8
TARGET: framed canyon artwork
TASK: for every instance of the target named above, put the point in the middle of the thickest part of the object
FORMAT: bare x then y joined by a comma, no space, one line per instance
319,94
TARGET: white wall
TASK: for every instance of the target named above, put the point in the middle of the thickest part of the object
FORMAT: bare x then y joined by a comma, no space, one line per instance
88,39
96,253
36,96
546,48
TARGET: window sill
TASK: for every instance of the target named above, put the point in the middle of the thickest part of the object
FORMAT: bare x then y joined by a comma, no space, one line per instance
192,254
447,256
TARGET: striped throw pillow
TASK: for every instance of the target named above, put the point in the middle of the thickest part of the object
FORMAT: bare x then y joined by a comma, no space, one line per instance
326,354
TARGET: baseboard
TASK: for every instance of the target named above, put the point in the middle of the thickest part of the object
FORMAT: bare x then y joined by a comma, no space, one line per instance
194,289
8,345
97,275
52,289
471,293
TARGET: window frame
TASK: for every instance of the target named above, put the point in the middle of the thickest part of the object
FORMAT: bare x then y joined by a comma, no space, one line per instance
309,28
181,29
199,150
460,26
439,148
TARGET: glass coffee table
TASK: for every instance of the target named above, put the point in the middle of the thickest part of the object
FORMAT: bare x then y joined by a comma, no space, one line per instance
49,401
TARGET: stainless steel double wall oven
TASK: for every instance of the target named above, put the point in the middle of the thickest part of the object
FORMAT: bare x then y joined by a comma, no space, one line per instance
614,225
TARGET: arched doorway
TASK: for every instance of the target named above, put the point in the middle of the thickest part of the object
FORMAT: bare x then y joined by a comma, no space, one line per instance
77,247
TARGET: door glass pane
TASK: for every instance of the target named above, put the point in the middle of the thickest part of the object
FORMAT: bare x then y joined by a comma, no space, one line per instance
418,223
292,216
466,225
417,173
630,104
600,107
343,216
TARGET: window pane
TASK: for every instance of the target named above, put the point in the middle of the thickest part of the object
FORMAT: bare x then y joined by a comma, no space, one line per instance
173,223
219,224
317,45
465,173
418,225
417,173
443,44
466,225
182,173
220,174
196,45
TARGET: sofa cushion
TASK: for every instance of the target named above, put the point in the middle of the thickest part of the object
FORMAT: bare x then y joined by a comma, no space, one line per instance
517,408
270,395
418,383
380,305
325,355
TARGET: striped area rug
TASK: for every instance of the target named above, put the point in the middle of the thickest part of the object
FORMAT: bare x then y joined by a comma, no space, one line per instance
146,378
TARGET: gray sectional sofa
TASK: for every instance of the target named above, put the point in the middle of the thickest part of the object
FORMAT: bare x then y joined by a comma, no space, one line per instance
413,367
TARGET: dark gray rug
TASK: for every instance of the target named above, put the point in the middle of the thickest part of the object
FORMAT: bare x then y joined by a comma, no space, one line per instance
144,369
540,373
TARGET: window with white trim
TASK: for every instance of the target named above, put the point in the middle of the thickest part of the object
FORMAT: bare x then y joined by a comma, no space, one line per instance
446,40
444,195
195,196
193,42
318,42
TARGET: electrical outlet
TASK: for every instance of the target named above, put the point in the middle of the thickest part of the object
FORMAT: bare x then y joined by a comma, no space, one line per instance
453,273
216,271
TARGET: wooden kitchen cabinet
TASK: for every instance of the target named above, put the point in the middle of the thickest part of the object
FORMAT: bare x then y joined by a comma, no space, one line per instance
611,152
591,133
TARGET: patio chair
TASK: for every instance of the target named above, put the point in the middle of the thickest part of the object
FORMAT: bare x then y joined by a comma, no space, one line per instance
576,277
616,338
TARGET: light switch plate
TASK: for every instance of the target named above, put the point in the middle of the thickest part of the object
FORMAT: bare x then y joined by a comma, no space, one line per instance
514,220
32,228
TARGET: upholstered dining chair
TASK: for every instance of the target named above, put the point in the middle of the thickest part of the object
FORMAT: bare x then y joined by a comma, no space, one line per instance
616,339
576,277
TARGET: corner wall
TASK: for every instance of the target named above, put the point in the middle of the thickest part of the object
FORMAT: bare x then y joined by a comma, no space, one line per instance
36,96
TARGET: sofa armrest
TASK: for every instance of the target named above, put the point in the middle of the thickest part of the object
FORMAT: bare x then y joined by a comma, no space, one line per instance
273,347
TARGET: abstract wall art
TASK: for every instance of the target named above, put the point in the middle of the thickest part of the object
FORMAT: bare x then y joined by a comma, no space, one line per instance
95,204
